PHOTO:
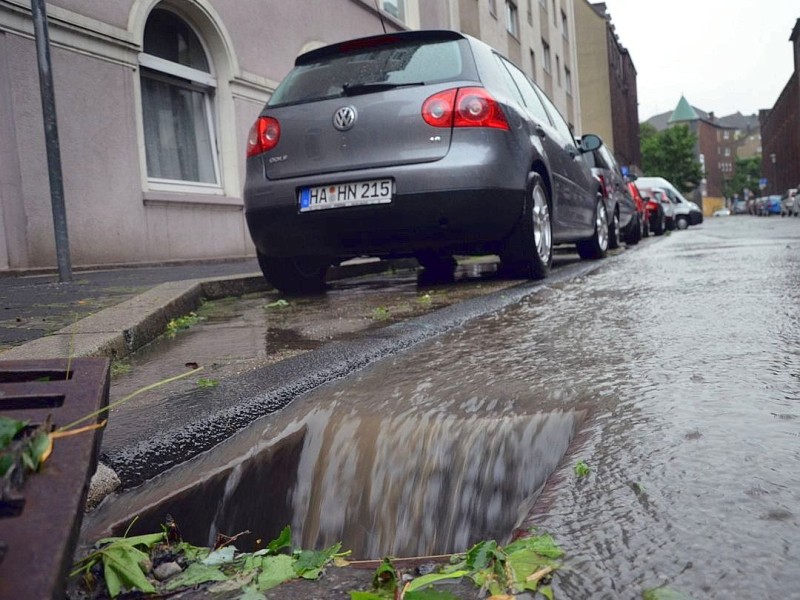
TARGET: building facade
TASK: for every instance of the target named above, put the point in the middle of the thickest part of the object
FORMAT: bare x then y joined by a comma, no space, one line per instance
780,131
536,35
608,96
715,150
154,99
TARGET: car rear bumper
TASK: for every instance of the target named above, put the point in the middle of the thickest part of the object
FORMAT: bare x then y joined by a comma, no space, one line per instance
466,221
467,202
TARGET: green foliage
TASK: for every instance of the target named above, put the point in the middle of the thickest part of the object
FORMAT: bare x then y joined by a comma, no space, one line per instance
22,449
281,303
207,383
119,367
179,323
582,469
381,313
746,176
670,154
127,565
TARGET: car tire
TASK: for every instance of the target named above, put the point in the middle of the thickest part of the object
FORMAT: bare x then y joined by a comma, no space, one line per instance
635,236
436,267
645,227
528,251
596,247
294,275
681,223
614,232
660,222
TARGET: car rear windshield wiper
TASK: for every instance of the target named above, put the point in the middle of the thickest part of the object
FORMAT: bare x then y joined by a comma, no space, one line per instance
354,89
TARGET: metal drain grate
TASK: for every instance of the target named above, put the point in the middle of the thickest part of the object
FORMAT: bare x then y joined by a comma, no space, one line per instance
40,522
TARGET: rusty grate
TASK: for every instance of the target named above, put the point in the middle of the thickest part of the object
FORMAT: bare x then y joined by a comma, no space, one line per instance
40,522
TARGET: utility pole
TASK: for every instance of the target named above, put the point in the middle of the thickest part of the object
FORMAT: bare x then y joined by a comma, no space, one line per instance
42,40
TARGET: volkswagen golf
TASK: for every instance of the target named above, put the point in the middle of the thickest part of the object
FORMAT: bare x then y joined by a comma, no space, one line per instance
422,144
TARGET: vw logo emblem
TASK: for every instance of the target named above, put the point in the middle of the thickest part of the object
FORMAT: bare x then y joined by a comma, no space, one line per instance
344,118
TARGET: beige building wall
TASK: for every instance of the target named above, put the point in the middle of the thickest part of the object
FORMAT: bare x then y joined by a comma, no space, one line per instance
115,213
538,22
593,64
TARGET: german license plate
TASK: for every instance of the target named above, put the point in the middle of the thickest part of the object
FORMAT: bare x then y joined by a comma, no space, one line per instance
358,193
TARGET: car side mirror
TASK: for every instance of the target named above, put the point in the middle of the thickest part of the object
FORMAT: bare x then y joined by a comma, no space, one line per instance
590,142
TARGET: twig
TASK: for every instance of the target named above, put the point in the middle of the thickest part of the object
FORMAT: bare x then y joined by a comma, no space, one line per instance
128,397
539,574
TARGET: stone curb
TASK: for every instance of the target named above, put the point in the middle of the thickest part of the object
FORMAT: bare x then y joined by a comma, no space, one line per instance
120,330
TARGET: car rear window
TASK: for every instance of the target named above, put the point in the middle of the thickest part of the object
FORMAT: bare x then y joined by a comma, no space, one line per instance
402,64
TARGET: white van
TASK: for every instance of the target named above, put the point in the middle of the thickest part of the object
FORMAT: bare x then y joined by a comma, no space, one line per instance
686,212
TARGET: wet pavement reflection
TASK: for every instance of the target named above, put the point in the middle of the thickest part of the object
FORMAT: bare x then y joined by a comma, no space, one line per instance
673,372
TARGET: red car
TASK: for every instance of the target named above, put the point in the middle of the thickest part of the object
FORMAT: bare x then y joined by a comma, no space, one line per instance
643,215
656,217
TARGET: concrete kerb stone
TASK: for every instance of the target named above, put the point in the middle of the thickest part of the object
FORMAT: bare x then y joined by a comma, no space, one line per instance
120,330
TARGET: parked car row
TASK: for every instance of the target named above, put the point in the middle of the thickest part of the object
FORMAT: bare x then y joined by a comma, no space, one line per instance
764,206
790,203
427,144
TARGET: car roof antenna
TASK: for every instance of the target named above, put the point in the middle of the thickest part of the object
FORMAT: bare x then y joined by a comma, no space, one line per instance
380,16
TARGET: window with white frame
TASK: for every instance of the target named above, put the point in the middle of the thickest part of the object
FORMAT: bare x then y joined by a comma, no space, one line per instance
533,65
564,28
493,7
546,57
178,87
530,12
512,25
568,81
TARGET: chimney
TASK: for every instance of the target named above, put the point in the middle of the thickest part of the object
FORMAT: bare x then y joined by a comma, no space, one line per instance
711,116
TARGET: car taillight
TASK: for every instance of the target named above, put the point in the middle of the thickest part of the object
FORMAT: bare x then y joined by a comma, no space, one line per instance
264,136
438,109
464,107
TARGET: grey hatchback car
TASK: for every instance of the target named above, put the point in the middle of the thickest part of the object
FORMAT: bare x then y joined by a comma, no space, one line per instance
417,144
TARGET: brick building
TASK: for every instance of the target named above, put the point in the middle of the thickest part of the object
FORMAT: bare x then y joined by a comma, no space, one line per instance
780,131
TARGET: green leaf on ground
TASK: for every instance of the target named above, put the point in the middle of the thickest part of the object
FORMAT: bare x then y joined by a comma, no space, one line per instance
8,429
275,570
310,563
284,540
430,594
278,304
431,578
122,570
582,469
220,557
207,383
195,574
385,576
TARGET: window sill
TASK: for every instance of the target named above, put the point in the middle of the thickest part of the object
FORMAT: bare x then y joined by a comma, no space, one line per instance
157,198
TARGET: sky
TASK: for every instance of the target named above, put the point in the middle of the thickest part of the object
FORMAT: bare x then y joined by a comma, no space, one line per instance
723,55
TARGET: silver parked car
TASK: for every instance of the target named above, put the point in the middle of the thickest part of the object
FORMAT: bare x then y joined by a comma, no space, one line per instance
423,144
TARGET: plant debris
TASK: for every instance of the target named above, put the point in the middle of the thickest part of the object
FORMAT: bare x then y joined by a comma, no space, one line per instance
158,564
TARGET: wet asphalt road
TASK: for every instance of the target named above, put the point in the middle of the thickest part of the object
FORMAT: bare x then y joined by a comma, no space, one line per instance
673,372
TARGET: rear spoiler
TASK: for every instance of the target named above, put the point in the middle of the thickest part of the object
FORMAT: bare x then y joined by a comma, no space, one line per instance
375,41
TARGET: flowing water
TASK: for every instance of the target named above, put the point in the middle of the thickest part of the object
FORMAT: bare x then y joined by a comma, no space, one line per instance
673,372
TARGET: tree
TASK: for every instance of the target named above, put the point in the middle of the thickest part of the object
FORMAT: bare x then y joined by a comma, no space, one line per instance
748,172
670,154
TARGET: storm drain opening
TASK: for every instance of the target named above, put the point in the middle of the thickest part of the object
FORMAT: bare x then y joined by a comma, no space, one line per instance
405,485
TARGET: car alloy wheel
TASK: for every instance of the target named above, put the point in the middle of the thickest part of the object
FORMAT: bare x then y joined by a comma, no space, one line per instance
601,226
596,246
681,223
542,229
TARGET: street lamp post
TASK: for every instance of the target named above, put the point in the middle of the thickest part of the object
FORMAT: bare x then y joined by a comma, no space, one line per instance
774,159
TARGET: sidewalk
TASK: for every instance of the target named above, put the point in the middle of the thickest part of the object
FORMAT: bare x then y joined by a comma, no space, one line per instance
34,307
114,312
